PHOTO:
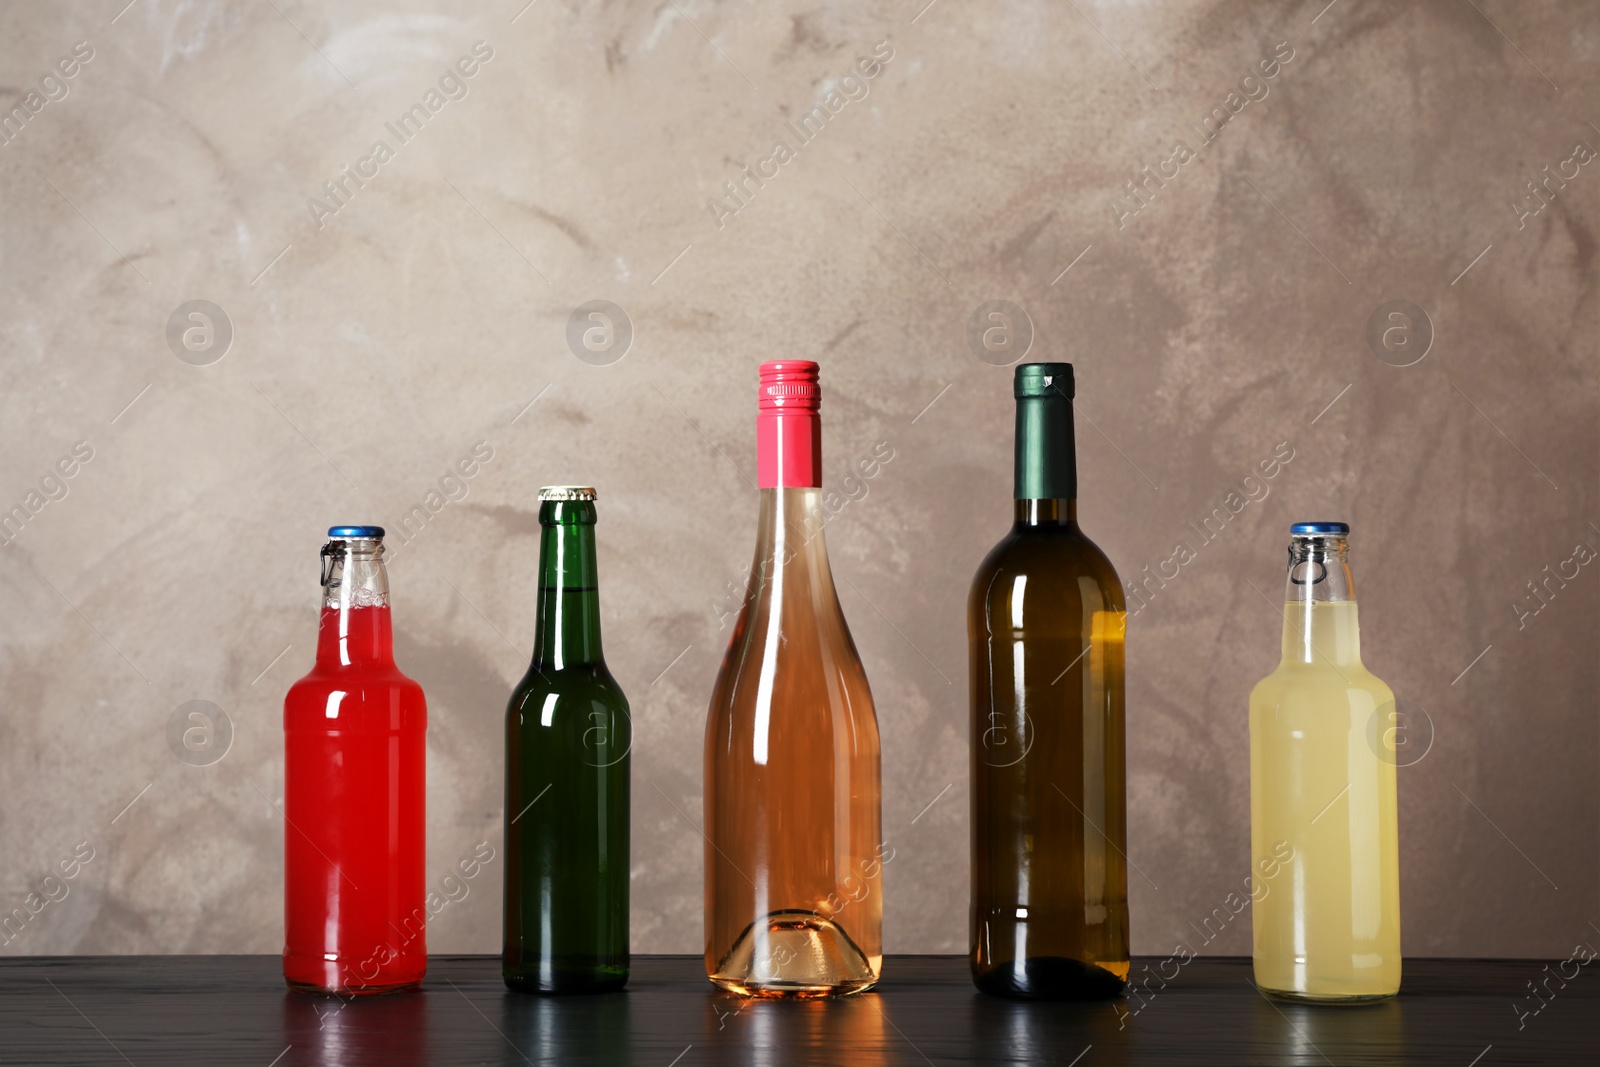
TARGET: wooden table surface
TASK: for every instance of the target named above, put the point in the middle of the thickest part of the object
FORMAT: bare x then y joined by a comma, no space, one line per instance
172,1010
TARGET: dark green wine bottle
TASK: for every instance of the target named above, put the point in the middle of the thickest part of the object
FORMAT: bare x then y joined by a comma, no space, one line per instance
1045,623
567,741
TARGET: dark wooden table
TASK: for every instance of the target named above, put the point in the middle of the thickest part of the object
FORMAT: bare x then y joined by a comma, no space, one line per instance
170,1010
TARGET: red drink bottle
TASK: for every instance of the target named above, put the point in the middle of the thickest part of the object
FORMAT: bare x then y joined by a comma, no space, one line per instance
355,733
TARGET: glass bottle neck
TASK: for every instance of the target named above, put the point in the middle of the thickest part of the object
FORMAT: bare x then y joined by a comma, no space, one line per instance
1045,513
1319,619
568,630
355,628
355,637
791,523
789,538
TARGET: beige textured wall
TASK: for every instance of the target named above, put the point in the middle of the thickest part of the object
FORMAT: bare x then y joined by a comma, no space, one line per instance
374,345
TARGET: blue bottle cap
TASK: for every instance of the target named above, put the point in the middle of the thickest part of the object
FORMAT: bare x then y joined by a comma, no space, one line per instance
347,533
1320,528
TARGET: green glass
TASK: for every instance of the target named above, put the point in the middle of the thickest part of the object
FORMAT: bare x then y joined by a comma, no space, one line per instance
1045,625
567,740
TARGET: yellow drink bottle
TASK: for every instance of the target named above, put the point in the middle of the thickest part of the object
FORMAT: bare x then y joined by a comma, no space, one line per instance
1322,792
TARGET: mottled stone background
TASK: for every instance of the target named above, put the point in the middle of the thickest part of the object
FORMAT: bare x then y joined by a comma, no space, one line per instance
375,345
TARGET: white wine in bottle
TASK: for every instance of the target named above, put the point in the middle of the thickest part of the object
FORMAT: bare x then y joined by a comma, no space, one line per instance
1045,626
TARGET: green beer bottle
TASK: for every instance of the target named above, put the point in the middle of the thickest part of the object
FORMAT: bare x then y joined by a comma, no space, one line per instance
567,741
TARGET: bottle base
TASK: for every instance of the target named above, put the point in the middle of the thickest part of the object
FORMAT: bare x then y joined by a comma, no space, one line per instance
311,989
797,955
564,982
1300,997
777,990
1049,978
315,974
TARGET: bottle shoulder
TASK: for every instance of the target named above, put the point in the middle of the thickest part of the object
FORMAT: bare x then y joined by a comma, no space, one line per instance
808,660
803,596
571,686
323,678
1055,562
1291,677
350,698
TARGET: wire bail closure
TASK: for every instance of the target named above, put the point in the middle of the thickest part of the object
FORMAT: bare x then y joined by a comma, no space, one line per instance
1322,570
332,552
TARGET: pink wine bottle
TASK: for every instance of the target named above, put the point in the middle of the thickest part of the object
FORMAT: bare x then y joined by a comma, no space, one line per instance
794,848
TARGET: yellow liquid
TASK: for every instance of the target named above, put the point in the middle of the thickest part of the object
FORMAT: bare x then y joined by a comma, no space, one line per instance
1324,840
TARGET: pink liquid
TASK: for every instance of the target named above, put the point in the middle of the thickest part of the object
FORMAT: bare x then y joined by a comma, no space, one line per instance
793,780
355,758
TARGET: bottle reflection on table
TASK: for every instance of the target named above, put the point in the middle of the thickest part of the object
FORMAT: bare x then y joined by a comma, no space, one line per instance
342,1031
1050,1032
1312,1033
567,1030
776,1033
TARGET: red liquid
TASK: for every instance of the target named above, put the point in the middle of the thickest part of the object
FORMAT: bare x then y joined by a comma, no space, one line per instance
355,757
